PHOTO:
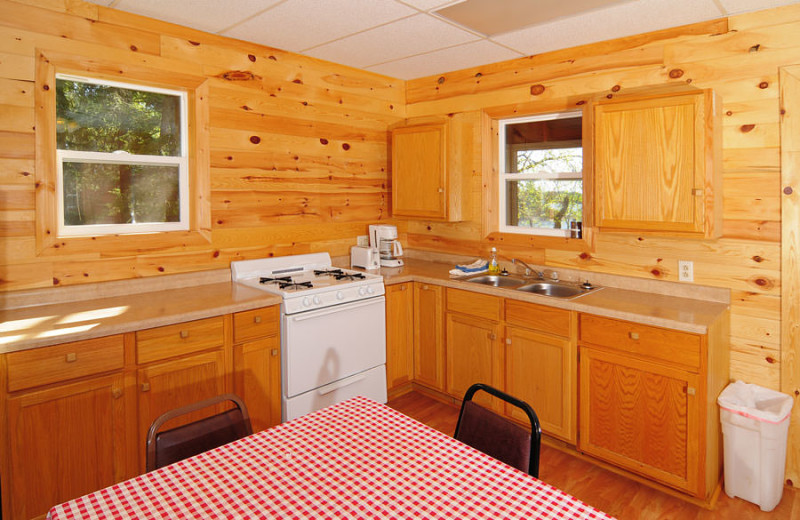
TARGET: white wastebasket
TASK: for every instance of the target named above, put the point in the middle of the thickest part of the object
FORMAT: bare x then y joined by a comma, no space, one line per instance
755,426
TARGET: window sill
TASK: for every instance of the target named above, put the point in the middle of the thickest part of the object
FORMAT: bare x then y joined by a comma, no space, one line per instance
542,242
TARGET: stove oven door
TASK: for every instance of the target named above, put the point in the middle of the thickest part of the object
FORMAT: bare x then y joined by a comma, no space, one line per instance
329,354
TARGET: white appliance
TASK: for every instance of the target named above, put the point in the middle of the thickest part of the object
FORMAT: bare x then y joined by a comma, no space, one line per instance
364,257
333,329
384,238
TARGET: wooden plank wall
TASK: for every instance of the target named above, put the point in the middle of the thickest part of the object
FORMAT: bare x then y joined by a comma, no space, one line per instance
739,58
298,152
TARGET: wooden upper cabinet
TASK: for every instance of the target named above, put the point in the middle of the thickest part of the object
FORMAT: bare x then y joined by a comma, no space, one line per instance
657,165
429,167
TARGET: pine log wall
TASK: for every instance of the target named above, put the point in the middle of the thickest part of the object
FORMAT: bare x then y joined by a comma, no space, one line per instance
298,146
299,153
739,58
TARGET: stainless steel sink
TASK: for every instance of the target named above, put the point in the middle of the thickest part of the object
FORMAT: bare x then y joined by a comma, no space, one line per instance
495,280
555,289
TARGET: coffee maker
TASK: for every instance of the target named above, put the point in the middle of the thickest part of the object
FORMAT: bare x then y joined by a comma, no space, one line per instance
384,238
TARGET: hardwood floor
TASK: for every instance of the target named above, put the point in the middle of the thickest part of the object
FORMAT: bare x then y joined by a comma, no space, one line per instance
616,495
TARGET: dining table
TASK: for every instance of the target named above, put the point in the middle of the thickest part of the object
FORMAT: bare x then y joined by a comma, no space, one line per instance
358,459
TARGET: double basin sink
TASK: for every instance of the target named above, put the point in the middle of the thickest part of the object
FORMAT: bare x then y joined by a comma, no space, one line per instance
553,288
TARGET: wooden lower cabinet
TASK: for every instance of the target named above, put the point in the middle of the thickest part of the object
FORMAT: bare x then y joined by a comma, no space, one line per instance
641,416
473,355
78,413
177,382
67,441
399,335
540,370
257,380
429,346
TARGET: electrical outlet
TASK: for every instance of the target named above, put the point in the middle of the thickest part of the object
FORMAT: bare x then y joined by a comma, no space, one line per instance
685,271
362,240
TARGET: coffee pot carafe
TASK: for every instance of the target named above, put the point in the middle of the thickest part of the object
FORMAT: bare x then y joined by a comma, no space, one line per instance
383,238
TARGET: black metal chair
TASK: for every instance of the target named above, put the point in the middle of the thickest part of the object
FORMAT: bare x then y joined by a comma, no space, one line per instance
498,436
167,447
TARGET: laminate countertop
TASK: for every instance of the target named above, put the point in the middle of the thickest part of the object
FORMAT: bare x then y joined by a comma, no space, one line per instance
45,317
678,312
59,322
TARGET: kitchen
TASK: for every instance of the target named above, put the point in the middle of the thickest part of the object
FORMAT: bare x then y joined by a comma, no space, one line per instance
318,182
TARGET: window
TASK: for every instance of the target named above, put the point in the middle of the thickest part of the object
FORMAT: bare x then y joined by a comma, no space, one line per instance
540,184
121,158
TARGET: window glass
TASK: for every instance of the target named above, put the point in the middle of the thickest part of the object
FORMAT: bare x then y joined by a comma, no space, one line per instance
541,172
121,158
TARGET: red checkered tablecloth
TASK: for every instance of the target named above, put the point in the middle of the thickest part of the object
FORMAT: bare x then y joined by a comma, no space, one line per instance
357,459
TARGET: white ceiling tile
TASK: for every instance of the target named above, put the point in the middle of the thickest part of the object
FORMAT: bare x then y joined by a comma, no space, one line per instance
206,15
406,37
744,6
614,22
296,25
471,54
427,5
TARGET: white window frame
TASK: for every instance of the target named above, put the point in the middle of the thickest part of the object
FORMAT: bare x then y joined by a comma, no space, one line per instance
124,157
504,175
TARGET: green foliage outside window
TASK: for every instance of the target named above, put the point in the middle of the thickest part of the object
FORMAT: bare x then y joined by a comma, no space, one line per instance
118,121
549,202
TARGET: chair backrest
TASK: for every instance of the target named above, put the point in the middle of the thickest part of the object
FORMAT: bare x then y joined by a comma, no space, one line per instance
498,436
167,447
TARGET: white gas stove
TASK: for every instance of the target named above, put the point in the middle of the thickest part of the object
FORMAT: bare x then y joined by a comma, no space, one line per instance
333,329
307,282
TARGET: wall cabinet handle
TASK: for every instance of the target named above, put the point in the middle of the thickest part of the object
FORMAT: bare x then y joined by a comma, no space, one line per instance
492,336
274,352
145,387
441,190
697,191
71,357
116,393
633,335
257,319
184,334
690,390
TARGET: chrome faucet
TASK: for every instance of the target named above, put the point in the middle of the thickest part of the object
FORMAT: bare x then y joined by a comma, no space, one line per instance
528,269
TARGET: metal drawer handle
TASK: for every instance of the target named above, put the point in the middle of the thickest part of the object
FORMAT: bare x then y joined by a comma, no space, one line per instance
633,335
184,334
257,319
72,357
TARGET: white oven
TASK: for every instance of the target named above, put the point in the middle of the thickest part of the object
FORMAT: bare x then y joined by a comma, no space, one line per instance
333,329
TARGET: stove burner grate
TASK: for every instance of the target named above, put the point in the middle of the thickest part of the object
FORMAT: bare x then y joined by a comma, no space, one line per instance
280,279
328,272
349,276
294,285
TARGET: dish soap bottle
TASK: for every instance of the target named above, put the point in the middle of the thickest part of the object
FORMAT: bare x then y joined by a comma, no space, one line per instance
493,267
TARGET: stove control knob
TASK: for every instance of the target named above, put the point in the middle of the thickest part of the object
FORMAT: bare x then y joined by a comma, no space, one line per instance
339,295
362,291
306,302
370,290
317,300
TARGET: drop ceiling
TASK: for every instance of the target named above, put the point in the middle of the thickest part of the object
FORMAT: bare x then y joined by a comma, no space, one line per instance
409,39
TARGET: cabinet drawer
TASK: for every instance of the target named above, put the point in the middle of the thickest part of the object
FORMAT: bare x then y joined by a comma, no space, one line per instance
475,304
538,317
42,366
257,323
653,342
178,339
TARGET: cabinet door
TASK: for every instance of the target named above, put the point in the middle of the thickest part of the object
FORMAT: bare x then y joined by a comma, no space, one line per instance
642,416
429,351
418,171
651,164
175,383
65,442
540,370
399,334
473,355
257,380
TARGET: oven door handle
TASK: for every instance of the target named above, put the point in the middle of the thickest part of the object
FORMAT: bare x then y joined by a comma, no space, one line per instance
310,315
336,386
